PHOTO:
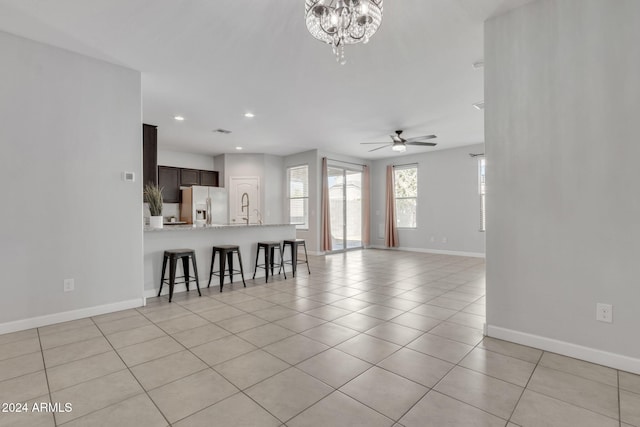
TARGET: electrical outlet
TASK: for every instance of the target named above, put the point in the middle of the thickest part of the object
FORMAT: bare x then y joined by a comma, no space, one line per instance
444,240
69,285
432,239
604,313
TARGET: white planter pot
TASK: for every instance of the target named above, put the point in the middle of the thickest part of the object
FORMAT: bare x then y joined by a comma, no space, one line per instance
156,221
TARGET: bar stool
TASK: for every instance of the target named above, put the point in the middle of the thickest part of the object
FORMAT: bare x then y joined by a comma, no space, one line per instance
269,253
172,255
226,254
293,244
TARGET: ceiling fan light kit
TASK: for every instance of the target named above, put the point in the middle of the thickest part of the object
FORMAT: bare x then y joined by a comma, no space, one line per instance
340,22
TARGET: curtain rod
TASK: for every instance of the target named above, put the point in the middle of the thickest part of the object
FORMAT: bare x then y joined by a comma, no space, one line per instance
342,161
406,164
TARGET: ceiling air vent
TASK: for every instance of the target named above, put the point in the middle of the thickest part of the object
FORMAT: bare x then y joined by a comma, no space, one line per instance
222,131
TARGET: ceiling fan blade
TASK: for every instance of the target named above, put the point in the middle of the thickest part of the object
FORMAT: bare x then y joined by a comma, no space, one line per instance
420,138
363,143
424,144
379,148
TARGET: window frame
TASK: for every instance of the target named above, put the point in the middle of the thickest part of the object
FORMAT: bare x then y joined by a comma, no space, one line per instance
299,226
396,198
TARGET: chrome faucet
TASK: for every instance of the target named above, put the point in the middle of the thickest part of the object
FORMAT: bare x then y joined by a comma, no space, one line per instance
258,216
243,206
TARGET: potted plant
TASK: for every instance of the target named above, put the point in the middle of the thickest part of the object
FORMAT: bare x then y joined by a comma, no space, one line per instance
153,196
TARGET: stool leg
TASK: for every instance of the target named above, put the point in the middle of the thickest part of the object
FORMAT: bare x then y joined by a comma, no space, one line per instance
213,260
185,270
195,272
255,269
222,262
273,254
268,261
241,269
281,260
306,258
172,275
164,268
230,262
294,257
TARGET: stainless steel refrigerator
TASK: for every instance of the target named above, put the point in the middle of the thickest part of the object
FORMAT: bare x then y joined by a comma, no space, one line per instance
204,205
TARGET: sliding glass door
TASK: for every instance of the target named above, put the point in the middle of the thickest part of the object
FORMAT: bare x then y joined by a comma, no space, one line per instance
345,201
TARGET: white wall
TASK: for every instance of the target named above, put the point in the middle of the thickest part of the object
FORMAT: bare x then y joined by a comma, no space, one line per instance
70,126
180,159
274,186
448,202
562,90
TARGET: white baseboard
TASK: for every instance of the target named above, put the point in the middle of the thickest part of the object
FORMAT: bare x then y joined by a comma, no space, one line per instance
601,357
432,251
65,316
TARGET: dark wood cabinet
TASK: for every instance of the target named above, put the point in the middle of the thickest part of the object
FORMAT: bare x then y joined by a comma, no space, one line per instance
189,177
172,178
209,178
169,181
149,154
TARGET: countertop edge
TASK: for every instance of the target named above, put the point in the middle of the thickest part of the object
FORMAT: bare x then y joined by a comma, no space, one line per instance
191,227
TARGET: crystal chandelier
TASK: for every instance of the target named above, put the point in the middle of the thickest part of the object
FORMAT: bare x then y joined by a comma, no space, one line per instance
340,22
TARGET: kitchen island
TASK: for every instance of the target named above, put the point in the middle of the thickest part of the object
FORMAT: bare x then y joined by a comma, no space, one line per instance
201,238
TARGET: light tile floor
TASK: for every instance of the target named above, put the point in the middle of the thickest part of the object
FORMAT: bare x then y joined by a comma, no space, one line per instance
370,338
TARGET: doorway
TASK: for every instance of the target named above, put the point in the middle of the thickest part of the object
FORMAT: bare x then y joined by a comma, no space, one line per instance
345,208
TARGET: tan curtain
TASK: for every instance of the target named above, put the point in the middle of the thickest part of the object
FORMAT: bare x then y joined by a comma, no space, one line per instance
366,207
390,228
326,213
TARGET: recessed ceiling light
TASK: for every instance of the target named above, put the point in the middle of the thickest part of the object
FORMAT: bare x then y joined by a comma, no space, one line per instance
238,148
179,118
249,115
479,105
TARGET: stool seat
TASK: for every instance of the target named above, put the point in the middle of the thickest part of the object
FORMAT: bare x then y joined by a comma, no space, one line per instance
269,254
294,244
179,252
226,255
172,256
227,247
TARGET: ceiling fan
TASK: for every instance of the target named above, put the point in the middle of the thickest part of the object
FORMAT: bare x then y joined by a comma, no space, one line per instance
399,144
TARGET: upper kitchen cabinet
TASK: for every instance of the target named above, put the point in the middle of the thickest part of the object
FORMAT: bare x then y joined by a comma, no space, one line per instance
189,177
209,178
149,154
169,181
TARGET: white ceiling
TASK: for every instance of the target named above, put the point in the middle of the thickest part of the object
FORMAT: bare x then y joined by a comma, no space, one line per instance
213,60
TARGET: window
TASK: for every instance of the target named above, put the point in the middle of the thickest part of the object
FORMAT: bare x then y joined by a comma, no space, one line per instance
298,185
406,192
481,190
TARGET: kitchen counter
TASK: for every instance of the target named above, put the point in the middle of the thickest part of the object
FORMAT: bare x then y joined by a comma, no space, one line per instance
202,238
191,227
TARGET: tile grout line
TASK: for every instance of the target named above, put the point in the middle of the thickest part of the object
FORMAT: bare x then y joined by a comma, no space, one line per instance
46,375
526,385
131,373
